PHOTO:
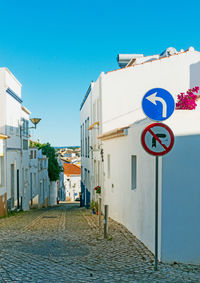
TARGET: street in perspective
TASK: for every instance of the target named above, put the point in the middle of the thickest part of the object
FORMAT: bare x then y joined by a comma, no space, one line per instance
65,244
99,142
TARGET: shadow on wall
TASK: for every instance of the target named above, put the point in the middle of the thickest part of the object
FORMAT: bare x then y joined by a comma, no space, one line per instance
195,75
181,201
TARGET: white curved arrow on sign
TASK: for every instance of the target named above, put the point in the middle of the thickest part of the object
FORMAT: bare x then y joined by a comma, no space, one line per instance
153,98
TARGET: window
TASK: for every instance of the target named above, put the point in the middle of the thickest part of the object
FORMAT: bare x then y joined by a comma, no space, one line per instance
94,112
35,154
23,126
88,143
35,180
108,165
31,154
85,179
81,141
88,183
25,144
85,138
26,128
40,163
1,171
133,171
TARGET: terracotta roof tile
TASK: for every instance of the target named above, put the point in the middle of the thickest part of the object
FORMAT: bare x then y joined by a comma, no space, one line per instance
71,169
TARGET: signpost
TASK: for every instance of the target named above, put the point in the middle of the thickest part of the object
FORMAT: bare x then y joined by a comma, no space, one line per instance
158,104
157,138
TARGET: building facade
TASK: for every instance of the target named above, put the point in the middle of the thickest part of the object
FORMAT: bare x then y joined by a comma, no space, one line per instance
14,123
72,181
127,174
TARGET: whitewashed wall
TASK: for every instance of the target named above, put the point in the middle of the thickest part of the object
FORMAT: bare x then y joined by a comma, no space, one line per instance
123,90
132,208
44,180
181,193
86,162
96,113
122,93
34,170
11,119
72,186
53,193
25,192
2,153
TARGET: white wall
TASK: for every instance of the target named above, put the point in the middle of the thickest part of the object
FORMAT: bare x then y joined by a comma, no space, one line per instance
11,121
72,186
179,195
43,179
53,193
132,208
34,170
2,154
121,96
85,161
181,190
123,90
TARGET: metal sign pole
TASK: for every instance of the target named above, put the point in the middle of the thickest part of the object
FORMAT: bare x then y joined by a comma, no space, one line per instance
157,138
156,217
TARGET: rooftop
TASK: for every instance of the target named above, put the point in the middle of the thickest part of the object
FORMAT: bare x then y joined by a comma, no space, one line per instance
71,169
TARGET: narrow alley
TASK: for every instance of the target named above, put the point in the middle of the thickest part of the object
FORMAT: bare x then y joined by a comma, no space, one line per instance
65,244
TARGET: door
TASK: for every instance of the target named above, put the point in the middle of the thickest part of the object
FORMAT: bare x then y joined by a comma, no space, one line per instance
43,191
31,188
17,188
12,182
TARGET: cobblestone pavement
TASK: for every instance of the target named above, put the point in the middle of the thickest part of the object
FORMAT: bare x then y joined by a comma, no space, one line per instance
64,244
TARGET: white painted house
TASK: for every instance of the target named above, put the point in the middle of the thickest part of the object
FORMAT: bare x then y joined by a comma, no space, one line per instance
34,177
44,183
39,180
3,191
128,172
72,181
14,123
25,158
86,161
61,187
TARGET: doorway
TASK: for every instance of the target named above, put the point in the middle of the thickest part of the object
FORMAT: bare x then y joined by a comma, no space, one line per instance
12,180
17,188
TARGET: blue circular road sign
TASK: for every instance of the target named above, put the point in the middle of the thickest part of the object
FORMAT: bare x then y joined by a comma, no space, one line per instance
158,104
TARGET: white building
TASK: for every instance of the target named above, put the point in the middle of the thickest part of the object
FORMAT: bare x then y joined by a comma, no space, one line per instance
128,172
3,191
14,123
61,187
34,177
25,158
72,181
86,160
44,183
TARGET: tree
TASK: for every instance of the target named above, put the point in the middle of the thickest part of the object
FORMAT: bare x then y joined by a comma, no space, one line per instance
54,168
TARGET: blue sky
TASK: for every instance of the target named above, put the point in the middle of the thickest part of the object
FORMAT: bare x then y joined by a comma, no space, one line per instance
55,49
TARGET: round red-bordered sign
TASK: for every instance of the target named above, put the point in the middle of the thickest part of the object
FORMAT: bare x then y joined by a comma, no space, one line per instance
157,139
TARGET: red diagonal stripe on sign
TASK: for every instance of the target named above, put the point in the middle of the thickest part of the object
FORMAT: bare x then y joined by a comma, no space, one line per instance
158,140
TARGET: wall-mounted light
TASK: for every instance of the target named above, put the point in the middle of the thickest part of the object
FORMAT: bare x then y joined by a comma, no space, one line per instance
35,121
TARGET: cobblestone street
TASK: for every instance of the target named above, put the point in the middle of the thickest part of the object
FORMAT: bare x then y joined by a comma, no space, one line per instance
64,244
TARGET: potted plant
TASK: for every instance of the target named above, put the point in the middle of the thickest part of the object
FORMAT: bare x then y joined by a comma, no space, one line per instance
98,189
92,206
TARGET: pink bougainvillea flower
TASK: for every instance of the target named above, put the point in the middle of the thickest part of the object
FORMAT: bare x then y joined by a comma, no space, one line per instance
187,101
